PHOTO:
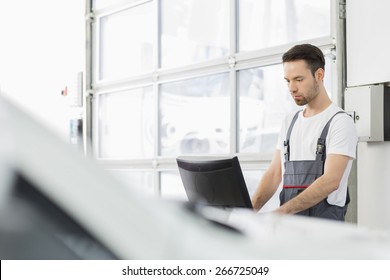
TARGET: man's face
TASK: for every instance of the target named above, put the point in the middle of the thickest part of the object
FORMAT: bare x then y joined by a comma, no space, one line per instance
302,85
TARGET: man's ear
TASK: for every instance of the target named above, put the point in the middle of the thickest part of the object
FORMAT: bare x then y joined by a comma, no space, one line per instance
320,74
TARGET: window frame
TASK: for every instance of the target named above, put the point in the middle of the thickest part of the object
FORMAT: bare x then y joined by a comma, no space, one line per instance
236,61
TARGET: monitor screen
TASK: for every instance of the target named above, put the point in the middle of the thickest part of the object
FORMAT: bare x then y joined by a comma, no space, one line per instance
214,181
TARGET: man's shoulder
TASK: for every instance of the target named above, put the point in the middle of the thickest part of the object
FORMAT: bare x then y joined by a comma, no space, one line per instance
338,113
334,109
342,123
289,116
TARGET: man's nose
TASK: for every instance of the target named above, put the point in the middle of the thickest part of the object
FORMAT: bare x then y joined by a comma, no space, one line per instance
292,87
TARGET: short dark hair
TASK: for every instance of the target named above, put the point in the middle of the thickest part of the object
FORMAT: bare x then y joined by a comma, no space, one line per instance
312,55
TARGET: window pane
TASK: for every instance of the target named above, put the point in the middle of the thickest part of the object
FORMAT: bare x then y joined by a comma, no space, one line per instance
263,102
193,31
126,43
172,186
141,181
280,22
126,124
195,116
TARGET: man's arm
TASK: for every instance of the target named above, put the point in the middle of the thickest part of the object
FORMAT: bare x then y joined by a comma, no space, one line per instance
320,189
269,182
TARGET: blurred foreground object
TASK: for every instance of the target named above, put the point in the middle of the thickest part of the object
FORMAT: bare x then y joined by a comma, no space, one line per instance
57,204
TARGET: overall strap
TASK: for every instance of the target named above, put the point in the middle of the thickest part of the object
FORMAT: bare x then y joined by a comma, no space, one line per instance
321,150
287,141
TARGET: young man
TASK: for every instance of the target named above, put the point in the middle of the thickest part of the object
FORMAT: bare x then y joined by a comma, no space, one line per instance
316,145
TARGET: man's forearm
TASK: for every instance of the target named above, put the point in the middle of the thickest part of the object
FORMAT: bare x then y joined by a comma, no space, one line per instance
316,192
320,188
269,183
265,191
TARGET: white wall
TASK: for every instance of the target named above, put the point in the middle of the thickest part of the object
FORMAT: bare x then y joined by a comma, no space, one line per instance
368,42
368,62
41,49
374,185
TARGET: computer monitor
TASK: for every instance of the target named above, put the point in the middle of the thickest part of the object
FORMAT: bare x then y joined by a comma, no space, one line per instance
214,181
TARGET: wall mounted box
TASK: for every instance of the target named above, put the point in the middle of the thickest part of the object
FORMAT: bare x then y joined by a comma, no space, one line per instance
370,108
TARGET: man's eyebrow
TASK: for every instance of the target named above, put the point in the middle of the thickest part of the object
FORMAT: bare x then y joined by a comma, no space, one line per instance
294,78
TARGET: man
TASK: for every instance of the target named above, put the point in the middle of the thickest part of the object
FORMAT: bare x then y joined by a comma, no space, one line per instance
316,145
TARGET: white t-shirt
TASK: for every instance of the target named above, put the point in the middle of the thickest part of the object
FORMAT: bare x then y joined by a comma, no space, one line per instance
341,139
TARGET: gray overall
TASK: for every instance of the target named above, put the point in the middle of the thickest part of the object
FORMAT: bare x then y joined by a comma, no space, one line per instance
300,174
